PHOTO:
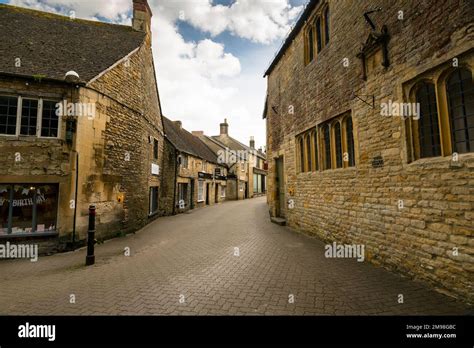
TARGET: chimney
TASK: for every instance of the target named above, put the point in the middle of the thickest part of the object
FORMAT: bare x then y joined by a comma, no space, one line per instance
142,17
252,142
197,133
225,128
179,124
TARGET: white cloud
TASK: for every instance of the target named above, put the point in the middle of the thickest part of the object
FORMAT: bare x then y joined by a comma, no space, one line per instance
199,82
261,21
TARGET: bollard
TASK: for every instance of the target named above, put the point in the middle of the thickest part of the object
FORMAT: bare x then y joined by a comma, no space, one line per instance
90,258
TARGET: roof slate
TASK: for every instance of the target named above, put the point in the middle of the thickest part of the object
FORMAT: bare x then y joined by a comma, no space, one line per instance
51,45
184,141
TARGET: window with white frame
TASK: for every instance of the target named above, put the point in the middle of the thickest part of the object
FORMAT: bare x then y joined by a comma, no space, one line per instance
28,116
200,191
203,166
242,166
49,119
222,191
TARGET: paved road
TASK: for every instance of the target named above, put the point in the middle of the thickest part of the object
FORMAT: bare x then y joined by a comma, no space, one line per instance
191,257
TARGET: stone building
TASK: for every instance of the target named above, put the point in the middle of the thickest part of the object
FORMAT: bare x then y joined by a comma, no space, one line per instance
80,124
257,170
245,163
370,133
192,176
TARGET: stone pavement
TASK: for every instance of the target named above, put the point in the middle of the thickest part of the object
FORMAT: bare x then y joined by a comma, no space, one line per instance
191,257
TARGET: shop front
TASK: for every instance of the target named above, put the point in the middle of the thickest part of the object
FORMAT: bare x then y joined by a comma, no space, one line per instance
28,210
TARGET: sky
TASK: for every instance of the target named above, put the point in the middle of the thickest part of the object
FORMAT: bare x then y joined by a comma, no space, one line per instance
210,55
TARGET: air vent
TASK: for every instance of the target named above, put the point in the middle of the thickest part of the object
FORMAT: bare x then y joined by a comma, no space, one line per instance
377,162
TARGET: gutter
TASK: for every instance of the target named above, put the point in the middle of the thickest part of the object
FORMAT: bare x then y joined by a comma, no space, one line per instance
175,179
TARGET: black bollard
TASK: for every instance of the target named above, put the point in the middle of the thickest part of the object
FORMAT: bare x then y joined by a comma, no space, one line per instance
90,258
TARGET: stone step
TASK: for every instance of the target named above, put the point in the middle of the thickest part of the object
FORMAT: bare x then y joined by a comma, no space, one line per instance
278,221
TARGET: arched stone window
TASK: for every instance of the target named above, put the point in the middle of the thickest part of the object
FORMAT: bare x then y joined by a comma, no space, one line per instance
319,36
309,164
426,130
338,143
314,135
460,94
326,25
350,142
301,152
327,147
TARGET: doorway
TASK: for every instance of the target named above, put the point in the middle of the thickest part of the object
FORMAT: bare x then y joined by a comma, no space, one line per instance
280,188
208,187
216,193
191,198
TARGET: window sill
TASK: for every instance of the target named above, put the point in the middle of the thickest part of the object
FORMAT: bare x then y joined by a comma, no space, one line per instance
29,235
446,160
202,201
28,137
332,170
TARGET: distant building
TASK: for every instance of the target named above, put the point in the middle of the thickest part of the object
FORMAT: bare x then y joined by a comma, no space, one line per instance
247,165
193,177
80,124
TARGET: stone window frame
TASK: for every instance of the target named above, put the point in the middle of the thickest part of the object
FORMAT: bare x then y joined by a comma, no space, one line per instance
317,149
324,145
438,76
351,152
308,152
222,188
322,14
39,117
337,156
300,157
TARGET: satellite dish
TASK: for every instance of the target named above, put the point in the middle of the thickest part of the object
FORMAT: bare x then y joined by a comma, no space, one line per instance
71,76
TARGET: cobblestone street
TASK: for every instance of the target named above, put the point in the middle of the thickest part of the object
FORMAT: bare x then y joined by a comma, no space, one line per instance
191,257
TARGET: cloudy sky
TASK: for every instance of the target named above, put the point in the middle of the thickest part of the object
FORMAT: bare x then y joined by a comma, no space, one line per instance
210,55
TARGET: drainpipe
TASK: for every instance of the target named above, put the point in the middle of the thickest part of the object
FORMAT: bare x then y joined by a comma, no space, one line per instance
75,203
175,180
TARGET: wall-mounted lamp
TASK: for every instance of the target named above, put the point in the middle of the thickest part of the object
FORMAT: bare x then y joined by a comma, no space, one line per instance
70,130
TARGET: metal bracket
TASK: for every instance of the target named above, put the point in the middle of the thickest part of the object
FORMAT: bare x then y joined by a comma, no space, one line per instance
367,98
368,19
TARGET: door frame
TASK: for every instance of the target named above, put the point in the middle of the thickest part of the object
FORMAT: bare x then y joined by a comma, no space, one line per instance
280,194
